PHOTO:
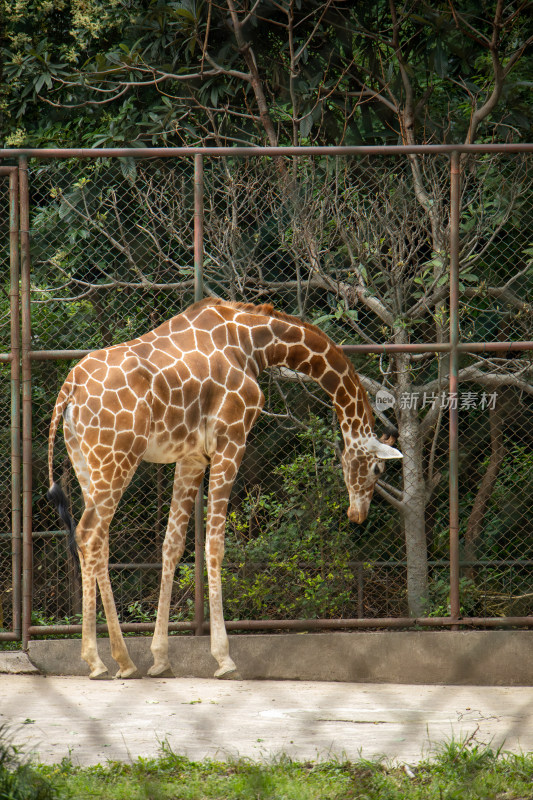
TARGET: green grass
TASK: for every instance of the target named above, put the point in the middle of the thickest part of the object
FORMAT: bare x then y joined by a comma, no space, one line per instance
10,646
457,771
19,780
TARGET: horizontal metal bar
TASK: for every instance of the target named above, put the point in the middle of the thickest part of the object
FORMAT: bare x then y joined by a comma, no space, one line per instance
8,637
5,358
440,347
169,152
481,347
302,624
495,622
437,347
126,627
37,534
7,170
48,355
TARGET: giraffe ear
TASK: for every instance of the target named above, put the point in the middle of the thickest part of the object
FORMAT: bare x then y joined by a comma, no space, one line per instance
382,450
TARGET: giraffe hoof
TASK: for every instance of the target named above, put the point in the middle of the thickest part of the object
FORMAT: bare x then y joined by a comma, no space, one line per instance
227,673
160,671
129,673
100,674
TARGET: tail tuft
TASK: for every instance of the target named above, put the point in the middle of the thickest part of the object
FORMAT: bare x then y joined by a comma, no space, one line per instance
57,496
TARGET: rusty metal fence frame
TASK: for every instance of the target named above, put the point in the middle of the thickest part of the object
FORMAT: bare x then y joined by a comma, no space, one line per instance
21,357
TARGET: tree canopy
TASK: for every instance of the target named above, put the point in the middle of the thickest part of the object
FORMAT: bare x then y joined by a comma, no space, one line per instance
95,72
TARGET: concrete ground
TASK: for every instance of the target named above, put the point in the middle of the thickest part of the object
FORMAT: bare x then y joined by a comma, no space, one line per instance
93,721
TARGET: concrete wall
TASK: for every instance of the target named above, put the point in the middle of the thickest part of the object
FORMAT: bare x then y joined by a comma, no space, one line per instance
502,658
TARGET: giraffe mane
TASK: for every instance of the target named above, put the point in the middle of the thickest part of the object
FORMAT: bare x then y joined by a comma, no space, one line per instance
268,310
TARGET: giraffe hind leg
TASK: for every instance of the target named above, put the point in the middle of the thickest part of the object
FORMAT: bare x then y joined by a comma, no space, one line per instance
92,537
89,648
105,454
93,546
77,459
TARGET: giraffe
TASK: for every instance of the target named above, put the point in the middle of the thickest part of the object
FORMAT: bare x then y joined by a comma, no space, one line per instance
187,393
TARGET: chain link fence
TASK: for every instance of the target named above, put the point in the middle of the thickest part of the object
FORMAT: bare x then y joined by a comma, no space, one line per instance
359,245
6,576
10,509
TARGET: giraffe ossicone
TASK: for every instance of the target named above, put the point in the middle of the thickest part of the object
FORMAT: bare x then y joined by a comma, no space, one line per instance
187,393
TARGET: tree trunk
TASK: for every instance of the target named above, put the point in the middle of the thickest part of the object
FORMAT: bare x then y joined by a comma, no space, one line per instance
414,514
414,493
477,515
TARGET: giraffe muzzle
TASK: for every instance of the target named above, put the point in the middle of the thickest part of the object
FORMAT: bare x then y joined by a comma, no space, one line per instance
357,515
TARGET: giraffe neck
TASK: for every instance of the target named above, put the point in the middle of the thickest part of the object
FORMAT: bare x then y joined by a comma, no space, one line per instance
306,349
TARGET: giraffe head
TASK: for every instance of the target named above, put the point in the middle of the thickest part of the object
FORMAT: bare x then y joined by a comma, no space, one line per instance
363,461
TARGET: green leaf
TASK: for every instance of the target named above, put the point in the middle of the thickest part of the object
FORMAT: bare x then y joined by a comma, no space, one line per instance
128,168
39,83
306,125
323,318
64,210
440,60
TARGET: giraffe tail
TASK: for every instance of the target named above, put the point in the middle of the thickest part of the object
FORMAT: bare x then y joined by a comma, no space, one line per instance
55,493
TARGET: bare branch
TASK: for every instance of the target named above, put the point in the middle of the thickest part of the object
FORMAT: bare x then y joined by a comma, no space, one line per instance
86,102
504,377
251,12
469,29
493,380
309,39
498,75
391,489
372,94
397,504
254,76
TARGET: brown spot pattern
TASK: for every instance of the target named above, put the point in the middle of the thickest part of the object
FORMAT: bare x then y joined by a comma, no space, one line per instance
187,393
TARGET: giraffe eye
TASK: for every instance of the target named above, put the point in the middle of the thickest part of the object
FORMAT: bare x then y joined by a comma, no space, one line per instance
378,469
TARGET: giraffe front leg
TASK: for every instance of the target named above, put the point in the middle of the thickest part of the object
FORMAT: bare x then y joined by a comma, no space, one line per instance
172,551
187,479
224,466
219,637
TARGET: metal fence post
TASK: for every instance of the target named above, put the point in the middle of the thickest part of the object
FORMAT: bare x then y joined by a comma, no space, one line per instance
198,227
27,548
14,296
455,201
199,531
